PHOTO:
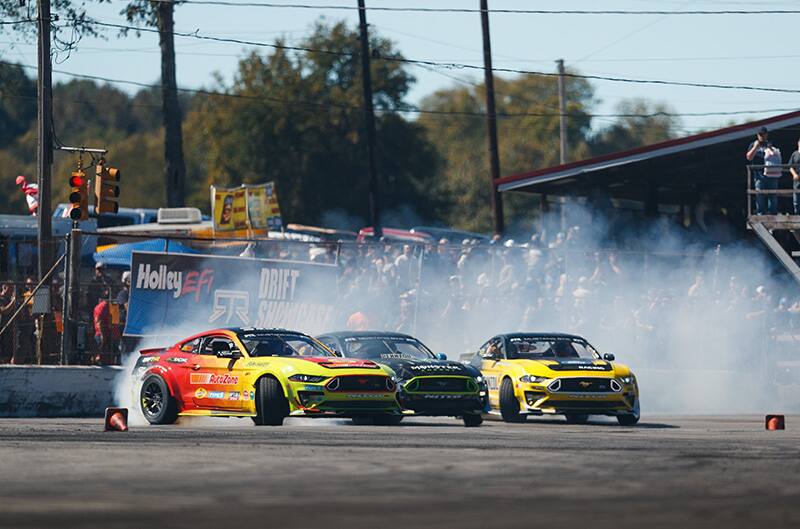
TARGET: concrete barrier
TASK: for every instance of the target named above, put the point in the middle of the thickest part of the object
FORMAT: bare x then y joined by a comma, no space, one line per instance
55,391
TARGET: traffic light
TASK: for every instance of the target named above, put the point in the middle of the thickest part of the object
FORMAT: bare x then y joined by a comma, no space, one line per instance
79,197
106,189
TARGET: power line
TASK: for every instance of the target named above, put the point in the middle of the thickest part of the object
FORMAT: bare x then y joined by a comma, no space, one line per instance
409,109
414,9
451,65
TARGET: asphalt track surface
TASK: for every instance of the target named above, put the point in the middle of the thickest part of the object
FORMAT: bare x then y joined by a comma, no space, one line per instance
226,473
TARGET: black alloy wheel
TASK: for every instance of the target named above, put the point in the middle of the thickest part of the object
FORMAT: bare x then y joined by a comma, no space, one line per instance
157,404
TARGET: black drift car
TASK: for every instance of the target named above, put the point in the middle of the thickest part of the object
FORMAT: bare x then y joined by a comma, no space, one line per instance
427,384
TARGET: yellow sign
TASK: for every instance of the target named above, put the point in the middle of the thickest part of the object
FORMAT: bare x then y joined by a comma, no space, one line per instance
200,393
262,207
229,209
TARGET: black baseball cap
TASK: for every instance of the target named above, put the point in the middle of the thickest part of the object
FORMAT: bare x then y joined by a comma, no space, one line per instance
763,130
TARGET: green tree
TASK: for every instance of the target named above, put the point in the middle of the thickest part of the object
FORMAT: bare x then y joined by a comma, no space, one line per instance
642,123
297,119
17,103
526,142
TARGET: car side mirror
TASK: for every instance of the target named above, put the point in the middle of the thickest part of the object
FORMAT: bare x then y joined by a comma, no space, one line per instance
608,356
441,356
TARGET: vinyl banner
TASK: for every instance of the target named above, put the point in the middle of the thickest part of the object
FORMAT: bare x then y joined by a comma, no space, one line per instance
229,208
181,294
262,207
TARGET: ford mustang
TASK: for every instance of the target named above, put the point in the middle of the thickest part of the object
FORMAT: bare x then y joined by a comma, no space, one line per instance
427,384
536,374
266,374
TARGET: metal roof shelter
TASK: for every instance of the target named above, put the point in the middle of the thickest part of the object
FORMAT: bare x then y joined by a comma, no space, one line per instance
706,169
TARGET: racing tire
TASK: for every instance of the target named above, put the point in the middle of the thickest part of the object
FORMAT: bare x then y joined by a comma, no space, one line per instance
577,418
271,404
472,420
630,419
509,405
627,420
156,402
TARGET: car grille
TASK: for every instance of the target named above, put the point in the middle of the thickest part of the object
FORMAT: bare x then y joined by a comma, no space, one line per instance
356,405
360,383
584,405
441,385
584,385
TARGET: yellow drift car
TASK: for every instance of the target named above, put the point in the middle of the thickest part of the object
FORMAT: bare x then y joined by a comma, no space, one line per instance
536,374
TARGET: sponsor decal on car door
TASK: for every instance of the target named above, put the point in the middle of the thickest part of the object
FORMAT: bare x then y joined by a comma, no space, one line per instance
216,382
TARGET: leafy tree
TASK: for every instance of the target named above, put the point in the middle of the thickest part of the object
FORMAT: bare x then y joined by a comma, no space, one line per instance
297,119
646,123
525,142
17,103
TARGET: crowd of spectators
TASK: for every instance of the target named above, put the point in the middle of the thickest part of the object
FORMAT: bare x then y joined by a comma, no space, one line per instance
455,295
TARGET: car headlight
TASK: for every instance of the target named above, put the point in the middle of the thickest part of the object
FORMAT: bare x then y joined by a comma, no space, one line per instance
479,379
626,380
307,378
532,379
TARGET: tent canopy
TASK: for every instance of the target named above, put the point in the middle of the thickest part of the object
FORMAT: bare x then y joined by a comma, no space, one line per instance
120,255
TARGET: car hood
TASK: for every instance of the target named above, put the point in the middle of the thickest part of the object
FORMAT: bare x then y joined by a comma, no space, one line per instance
406,369
572,366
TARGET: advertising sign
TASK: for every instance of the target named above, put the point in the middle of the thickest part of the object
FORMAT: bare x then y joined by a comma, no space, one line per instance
181,294
262,207
229,208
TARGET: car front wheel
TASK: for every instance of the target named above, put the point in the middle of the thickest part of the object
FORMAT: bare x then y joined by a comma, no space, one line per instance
630,419
509,405
472,420
271,404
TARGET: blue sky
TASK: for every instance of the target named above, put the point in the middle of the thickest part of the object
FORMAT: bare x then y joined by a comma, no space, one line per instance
731,49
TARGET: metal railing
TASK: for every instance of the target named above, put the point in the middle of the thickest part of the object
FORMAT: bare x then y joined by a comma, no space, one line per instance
757,171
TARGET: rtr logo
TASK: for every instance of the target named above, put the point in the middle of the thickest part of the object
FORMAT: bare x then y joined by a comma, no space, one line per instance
230,303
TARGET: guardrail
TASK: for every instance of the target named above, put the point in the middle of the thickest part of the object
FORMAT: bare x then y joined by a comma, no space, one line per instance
755,171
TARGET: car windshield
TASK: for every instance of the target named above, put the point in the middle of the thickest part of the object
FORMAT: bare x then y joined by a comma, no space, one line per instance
386,348
535,348
276,344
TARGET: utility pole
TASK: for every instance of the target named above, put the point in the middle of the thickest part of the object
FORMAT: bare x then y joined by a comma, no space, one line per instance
44,88
491,122
369,118
175,166
562,110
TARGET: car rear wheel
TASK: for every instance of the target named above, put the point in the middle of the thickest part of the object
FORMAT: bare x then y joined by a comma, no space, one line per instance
577,418
509,405
472,420
157,404
271,404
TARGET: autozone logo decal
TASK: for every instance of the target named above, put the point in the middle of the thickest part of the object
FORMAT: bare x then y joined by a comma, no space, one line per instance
209,378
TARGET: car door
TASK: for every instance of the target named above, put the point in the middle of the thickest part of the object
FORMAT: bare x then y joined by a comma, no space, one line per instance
216,382
492,372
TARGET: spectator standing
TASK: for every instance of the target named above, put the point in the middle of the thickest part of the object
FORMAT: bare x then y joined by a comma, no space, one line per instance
100,283
105,333
772,175
7,301
25,326
756,153
794,169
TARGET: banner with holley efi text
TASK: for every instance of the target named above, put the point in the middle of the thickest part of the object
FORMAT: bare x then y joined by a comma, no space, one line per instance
179,294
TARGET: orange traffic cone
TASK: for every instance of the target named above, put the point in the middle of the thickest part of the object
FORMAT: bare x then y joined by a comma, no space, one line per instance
775,422
117,419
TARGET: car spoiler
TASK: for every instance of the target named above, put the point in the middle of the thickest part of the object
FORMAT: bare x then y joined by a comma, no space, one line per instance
151,351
